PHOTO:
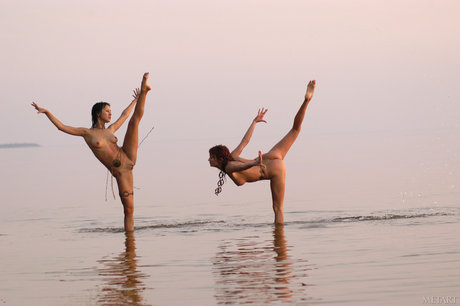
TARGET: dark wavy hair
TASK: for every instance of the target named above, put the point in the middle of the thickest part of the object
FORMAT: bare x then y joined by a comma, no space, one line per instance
223,155
96,110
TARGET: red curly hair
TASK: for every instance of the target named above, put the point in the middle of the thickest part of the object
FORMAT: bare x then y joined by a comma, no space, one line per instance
223,155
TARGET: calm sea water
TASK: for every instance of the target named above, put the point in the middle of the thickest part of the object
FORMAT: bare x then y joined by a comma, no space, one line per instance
353,238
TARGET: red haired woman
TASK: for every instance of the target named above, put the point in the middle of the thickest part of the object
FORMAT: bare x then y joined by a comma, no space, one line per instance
268,166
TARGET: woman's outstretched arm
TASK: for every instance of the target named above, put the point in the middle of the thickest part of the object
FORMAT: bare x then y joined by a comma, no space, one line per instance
62,127
125,114
247,137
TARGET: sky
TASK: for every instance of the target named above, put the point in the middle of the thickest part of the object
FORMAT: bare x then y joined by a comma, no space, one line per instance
380,66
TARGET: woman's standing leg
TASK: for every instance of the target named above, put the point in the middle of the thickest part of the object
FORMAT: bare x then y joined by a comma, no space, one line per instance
277,184
125,187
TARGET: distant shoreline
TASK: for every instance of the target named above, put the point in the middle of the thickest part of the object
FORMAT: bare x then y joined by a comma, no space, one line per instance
18,145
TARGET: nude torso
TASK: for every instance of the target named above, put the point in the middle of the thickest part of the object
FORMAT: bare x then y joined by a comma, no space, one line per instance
103,143
254,174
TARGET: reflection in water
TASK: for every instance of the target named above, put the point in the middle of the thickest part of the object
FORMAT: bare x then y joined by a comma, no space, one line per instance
123,281
254,270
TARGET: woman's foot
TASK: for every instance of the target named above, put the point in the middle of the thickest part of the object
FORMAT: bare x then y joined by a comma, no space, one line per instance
145,86
310,90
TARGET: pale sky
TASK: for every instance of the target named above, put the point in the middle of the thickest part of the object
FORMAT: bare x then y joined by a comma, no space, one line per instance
379,65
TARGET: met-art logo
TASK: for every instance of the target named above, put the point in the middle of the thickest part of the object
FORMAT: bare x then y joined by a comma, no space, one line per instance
440,299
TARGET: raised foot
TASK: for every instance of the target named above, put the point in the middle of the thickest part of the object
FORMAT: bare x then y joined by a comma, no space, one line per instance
310,90
145,86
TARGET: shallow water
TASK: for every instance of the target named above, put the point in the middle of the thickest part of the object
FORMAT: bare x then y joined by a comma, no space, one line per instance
62,246
327,257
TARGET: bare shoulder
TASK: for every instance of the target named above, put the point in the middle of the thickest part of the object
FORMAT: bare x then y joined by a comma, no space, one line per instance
231,166
89,133
85,131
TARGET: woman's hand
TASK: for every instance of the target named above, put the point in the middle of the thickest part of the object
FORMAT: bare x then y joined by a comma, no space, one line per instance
136,93
125,113
38,108
260,115
260,163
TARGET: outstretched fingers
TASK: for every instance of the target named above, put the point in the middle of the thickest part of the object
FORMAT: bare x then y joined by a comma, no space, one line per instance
260,115
136,93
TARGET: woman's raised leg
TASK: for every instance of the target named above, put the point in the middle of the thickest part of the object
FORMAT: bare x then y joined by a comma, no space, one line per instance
131,141
280,150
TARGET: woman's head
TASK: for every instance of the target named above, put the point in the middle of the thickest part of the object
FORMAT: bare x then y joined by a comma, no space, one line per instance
219,156
97,110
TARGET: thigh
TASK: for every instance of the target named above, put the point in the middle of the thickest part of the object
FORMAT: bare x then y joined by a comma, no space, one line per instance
125,182
280,150
275,168
131,141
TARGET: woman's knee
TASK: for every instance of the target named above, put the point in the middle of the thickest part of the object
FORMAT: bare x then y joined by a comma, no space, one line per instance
295,131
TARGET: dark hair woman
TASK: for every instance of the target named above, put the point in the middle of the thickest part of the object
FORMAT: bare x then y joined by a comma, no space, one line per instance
268,166
102,141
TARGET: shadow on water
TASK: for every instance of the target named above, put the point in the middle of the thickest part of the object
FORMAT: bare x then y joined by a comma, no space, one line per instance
123,282
260,271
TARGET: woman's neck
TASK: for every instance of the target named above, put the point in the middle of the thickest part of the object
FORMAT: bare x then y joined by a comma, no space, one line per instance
99,125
